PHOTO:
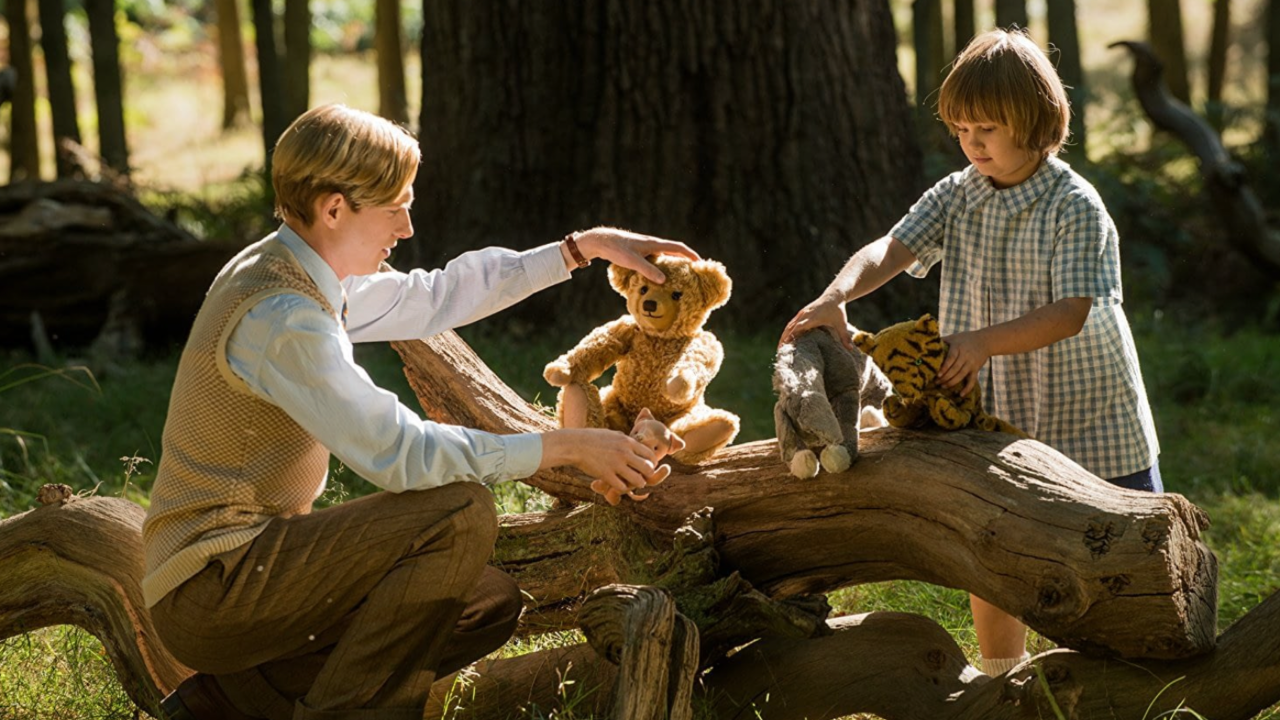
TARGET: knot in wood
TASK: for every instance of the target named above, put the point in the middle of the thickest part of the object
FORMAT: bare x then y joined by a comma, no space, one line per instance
1058,599
1115,584
51,493
1155,535
1099,535
697,532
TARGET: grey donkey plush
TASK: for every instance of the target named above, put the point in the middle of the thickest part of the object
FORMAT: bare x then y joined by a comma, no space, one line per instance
822,388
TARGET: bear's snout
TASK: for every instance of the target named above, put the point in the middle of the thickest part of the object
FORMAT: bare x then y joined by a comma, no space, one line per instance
649,305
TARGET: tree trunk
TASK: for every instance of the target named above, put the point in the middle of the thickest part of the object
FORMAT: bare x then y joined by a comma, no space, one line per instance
1010,13
24,143
773,137
62,91
235,79
1239,208
926,30
1271,128
108,87
297,64
965,24
1219,43
393,101
1164,19
270,79
1063,36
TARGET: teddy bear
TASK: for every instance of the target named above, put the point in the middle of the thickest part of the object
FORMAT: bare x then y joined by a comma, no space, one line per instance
664,358
826,393
658,438
910,354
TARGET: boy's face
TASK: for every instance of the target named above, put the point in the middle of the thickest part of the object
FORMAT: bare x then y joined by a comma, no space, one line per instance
368,235
991,148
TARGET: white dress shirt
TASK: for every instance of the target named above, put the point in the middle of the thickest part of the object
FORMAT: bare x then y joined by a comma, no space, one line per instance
293,354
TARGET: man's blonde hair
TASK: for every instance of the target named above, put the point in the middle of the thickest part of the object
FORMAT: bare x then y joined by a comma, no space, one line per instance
1004,77
334,148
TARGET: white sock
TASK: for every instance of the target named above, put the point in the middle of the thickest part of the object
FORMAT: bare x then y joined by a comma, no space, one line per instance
999,666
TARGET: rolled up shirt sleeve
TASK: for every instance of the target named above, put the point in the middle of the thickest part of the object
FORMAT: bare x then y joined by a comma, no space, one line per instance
293,354
421,303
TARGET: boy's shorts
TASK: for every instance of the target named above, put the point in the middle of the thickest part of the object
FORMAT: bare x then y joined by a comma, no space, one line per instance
1148,480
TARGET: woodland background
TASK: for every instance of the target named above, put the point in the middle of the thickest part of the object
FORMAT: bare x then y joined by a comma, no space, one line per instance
182,100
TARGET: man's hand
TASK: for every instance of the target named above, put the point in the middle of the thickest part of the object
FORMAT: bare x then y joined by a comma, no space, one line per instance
617,461
628,249
967,352
826,312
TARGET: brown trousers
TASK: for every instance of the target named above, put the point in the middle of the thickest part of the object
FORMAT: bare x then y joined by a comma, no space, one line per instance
348,612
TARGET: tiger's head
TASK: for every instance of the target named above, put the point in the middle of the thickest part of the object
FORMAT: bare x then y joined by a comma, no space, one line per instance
910,354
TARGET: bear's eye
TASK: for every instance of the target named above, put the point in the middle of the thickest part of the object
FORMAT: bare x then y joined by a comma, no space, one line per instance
677,295
644,289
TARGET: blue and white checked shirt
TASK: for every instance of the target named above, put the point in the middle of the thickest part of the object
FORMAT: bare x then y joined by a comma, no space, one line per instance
1007,252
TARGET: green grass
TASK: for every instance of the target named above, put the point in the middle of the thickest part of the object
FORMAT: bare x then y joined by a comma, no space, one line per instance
1213,394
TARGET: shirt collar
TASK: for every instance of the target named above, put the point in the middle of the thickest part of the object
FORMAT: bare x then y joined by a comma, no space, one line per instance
1017,198
321,274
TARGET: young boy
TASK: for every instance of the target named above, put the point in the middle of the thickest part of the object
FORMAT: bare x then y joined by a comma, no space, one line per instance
354,610
1031,297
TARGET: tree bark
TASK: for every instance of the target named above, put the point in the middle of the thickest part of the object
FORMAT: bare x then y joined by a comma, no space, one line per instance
270,78
1063,35
235,78
1010,13
24,143
1164,19
965,24
297,64
79,562
1271,128
62,91
1219,43
393,102
1236,204
747,129
108,85
926,30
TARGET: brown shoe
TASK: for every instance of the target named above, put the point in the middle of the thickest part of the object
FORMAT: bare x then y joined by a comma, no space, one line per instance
199,697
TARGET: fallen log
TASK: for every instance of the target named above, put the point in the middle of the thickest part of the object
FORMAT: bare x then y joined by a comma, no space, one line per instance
739,546
97,266
1088,565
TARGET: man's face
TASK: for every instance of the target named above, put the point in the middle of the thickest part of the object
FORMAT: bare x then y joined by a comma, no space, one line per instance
990,146
368,235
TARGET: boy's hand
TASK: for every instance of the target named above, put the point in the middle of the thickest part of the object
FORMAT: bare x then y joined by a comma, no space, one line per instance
630,250
966,354
824,312
619,462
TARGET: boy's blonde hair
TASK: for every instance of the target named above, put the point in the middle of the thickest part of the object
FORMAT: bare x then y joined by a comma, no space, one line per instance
1004,77
334,148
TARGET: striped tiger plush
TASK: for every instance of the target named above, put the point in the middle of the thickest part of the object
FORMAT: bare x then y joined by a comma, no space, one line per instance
910,354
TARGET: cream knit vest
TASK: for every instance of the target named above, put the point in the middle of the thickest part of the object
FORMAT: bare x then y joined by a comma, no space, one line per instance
230,461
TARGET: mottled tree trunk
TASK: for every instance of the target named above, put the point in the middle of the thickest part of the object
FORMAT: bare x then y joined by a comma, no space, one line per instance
24,144
1164,19
1064,36
772,136
393,102
1010,13
235,78
270,78
62,91
965,24
297,63
108,85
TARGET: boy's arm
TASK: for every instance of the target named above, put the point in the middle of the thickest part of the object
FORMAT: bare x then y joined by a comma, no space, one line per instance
874,265
1042,327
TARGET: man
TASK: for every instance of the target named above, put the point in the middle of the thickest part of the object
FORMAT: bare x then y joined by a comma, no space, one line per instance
352,611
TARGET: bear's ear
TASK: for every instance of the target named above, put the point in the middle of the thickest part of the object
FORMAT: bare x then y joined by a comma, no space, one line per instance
620,278
714,282
927,324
